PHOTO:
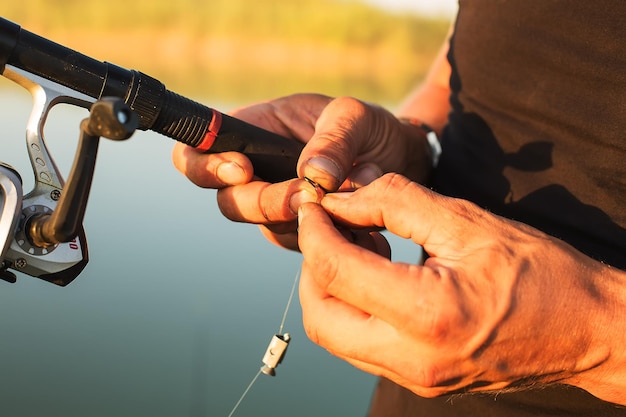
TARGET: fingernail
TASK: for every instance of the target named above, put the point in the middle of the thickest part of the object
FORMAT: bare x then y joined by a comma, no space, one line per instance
299,198
320,168
231,173
365,175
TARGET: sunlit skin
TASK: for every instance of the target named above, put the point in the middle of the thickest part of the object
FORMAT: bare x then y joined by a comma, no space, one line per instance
497,305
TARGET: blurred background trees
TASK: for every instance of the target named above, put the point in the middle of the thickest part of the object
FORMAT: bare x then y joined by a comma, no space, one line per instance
238,51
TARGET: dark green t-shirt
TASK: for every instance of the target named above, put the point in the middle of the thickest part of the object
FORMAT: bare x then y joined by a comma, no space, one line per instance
537,133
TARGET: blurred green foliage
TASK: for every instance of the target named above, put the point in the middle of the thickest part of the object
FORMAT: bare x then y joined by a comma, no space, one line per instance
346,22
358,49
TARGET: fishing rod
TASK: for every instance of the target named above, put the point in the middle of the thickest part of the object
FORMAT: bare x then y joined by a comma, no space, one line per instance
41,233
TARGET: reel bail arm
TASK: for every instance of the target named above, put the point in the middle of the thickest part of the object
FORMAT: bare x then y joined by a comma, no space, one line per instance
110,118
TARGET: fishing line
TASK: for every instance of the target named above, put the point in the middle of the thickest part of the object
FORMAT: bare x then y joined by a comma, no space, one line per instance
245,392
275,351
293,290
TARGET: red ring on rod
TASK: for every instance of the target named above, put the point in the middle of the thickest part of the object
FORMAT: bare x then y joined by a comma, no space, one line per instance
211,134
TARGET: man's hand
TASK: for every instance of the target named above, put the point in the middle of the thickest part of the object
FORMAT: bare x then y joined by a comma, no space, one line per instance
497,303
349,143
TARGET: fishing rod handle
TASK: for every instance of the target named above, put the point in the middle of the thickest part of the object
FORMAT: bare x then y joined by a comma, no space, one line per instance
273,156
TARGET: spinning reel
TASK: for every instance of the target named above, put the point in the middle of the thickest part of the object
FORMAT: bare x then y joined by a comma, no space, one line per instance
41,233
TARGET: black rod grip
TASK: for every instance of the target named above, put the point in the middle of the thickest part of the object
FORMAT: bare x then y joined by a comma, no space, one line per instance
273,156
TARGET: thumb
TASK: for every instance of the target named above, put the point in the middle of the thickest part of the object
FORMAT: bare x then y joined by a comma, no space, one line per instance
344,133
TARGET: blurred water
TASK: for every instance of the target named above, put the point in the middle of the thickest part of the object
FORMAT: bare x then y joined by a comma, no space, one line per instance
174,311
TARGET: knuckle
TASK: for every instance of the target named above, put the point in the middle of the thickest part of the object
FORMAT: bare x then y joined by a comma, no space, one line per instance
442,313
427,378
350,103
465,210
274,202
438,327
395,181
187,163
311,330
226,205
327,274
178,157
434,326
349,113
434,381
391,185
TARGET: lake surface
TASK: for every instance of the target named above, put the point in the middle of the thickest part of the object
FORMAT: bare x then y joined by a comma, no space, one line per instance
175,309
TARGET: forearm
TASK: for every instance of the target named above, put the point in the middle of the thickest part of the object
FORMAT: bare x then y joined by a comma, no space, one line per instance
427,105
429,102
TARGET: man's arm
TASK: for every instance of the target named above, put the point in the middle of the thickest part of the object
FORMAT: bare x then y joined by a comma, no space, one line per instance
429,102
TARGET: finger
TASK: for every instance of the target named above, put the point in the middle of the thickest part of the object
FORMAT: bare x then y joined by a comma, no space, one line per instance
407,210
372,241
364,279
355,336
284,239
381,244
264,203
286,236
337,326
360,176
212,170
